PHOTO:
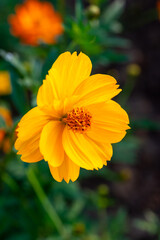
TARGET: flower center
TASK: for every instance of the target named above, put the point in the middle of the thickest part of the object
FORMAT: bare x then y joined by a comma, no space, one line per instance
78,120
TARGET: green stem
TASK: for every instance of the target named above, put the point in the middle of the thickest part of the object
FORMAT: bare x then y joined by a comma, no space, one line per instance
127,89
45,202
78,10
10,181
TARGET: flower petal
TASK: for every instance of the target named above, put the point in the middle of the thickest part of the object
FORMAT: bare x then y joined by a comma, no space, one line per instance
51,143
83,151
67,171
32,123
28,132
46,93
68,71
97,88
29,150
109,122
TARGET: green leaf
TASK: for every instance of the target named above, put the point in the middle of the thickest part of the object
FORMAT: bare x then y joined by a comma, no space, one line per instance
114,11
116,42
18,95
146,124
110,56
14,61
117,225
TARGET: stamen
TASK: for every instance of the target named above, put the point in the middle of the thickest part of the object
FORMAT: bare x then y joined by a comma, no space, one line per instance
78,120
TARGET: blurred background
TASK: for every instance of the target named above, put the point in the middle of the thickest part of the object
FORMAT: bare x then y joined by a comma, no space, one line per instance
122,200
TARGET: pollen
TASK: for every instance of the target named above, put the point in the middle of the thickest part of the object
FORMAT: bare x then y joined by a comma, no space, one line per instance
78,120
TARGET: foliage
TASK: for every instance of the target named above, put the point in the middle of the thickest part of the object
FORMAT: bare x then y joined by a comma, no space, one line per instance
32,204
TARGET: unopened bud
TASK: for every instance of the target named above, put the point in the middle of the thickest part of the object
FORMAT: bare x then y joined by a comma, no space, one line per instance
93,11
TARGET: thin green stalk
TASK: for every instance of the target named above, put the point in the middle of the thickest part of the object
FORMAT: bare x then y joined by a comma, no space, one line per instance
12,184
78,10
10,181
127,89
45,202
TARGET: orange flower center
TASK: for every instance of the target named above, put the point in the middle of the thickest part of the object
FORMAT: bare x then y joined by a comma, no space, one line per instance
78,120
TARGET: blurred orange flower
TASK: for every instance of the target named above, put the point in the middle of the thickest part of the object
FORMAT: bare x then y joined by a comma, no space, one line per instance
5,143
5,83
36,22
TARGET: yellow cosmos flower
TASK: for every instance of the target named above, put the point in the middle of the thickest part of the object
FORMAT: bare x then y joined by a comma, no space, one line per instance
75,120
5,83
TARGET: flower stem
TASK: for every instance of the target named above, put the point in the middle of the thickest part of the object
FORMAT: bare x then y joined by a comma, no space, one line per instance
45,202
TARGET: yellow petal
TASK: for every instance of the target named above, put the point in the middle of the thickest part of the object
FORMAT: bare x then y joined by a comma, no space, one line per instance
46,93
61,107
67,171
97,88
68,72
107,149
109,122
34,156
105,136
32,123
26,147
83,151
51,143
28,132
